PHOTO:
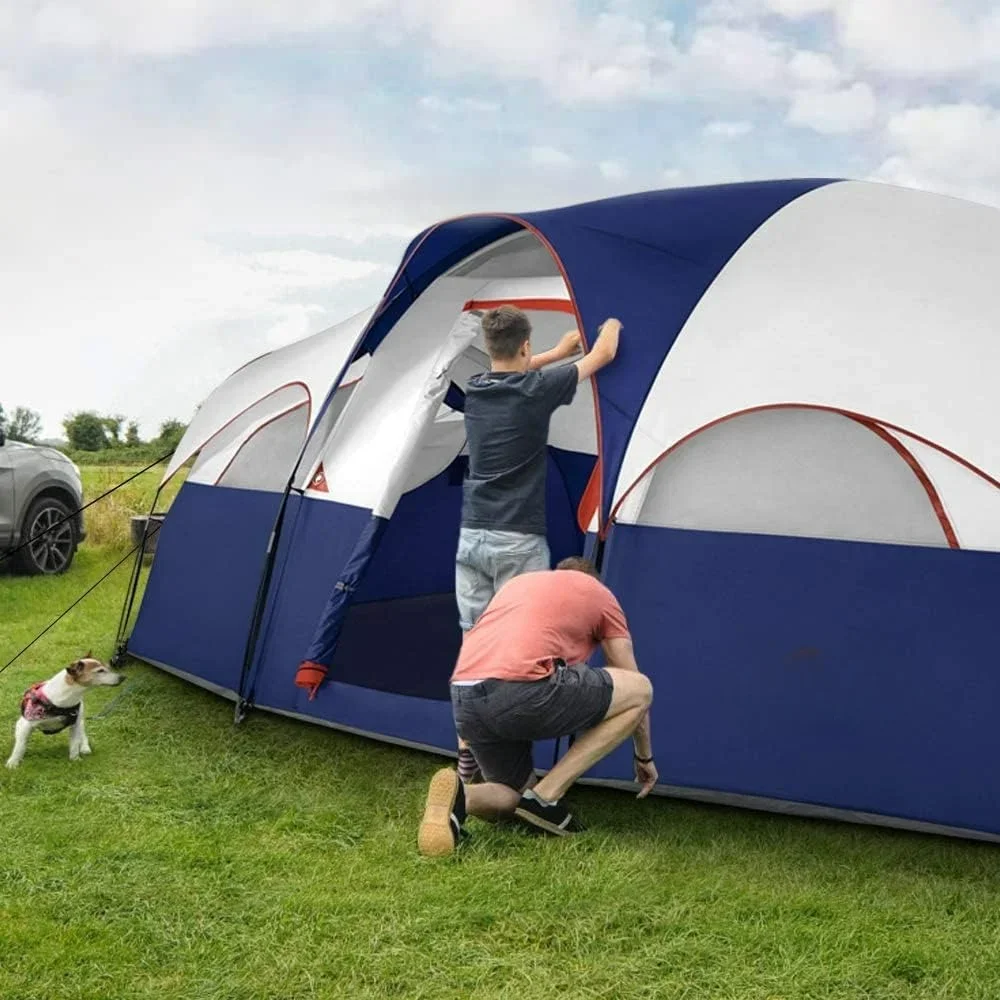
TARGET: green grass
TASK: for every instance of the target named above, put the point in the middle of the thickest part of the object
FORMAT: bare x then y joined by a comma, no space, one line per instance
187,859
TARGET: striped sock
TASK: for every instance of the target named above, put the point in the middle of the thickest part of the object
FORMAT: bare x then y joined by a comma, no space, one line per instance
468,769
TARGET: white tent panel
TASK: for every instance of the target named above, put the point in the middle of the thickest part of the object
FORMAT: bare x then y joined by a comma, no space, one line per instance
220,451
552,289
368,441
972,503
522,255
315,362
794,472
384,442
858,296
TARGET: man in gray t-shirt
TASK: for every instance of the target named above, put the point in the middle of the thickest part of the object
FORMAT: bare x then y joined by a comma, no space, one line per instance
507,413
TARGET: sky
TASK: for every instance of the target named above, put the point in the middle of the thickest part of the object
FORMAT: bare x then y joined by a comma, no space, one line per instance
189,185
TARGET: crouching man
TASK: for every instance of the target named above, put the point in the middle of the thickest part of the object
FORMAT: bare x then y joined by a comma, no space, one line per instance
522,676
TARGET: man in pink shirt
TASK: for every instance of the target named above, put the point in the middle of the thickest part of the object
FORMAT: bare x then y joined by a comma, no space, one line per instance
522,676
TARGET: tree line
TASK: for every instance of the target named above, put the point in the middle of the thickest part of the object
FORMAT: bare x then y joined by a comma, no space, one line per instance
90,432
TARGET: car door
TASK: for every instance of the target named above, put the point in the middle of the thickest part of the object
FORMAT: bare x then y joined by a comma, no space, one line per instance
6,495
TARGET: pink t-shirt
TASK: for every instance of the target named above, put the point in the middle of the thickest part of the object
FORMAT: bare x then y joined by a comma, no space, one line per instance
535,619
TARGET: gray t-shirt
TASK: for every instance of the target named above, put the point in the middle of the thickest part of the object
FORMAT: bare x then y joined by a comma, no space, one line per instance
507,424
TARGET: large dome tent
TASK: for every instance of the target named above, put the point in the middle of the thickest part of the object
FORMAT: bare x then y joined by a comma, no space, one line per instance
789,477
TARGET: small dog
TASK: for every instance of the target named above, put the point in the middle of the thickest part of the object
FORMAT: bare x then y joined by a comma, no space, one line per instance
57,704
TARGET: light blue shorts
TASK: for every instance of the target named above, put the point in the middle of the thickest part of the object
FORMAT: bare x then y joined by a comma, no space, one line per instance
486,560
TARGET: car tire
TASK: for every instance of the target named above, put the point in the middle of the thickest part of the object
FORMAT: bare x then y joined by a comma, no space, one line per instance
51,552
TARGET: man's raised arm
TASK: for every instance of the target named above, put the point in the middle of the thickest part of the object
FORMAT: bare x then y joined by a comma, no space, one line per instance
603,352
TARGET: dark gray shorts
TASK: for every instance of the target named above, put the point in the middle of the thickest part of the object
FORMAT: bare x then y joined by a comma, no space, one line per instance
501,719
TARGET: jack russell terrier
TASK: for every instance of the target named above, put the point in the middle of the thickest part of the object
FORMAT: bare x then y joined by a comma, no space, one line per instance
57,704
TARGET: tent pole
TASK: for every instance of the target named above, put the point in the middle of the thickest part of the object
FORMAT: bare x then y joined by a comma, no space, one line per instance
121,638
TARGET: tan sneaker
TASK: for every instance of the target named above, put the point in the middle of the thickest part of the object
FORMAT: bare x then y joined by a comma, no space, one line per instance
444,814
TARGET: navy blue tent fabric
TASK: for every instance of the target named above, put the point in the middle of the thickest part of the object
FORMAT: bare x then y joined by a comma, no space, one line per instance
842,674
199,599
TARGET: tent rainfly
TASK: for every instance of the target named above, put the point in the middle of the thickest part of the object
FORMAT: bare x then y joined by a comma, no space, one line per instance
790,477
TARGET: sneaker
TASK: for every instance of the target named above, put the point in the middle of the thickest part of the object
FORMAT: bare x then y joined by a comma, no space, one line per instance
444,814
552,817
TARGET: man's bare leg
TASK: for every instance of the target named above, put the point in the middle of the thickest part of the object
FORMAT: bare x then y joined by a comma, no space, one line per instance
491,800
630,700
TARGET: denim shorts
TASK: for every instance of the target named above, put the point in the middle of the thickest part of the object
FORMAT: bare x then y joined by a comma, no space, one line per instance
486,560
501,719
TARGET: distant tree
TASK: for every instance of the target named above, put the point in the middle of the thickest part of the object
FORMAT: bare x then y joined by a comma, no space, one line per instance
132,434
171,432
86,431
113,426
24,425
3,419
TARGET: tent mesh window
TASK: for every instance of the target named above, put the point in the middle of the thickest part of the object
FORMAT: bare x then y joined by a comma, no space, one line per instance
265,459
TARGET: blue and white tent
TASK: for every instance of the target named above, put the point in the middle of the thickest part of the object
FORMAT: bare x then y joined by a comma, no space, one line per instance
790,477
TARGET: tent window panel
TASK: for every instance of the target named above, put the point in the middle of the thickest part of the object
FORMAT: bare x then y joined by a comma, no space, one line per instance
265,460
791,471
219,450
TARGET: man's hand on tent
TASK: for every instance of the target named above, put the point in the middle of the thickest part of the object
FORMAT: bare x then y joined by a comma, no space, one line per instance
607,337
604,350
647,776
570,344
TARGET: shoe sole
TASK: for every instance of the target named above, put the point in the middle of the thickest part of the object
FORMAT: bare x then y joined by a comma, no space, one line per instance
542,824
435,838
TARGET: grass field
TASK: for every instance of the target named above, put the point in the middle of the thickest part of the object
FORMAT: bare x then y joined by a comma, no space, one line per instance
187,859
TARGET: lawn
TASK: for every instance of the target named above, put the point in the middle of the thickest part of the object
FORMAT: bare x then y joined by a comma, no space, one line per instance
187,859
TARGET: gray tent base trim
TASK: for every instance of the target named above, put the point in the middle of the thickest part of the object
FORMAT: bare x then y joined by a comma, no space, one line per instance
758,803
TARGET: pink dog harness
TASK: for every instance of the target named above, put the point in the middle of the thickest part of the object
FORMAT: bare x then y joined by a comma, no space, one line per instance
35,707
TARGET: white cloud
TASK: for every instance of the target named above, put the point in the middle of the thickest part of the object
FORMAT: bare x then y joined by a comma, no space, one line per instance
918,38
735,60
613,170
436,104
951,148
835,111
728,130
549,156
925,37
814,69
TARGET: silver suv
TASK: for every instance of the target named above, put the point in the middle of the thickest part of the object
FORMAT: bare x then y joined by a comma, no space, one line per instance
39,487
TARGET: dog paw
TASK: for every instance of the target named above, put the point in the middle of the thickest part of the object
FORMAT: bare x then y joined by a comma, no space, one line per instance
74,755
85,749
11,764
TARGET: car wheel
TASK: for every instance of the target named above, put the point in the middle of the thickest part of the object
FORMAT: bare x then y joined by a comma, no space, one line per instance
52,544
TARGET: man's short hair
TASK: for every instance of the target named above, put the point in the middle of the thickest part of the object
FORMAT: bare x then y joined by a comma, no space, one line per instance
505,328
580,565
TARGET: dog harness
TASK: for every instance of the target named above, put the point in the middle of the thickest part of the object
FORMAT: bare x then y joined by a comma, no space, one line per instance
35,707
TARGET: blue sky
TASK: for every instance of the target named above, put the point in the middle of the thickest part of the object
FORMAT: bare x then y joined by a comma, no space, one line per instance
192,185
